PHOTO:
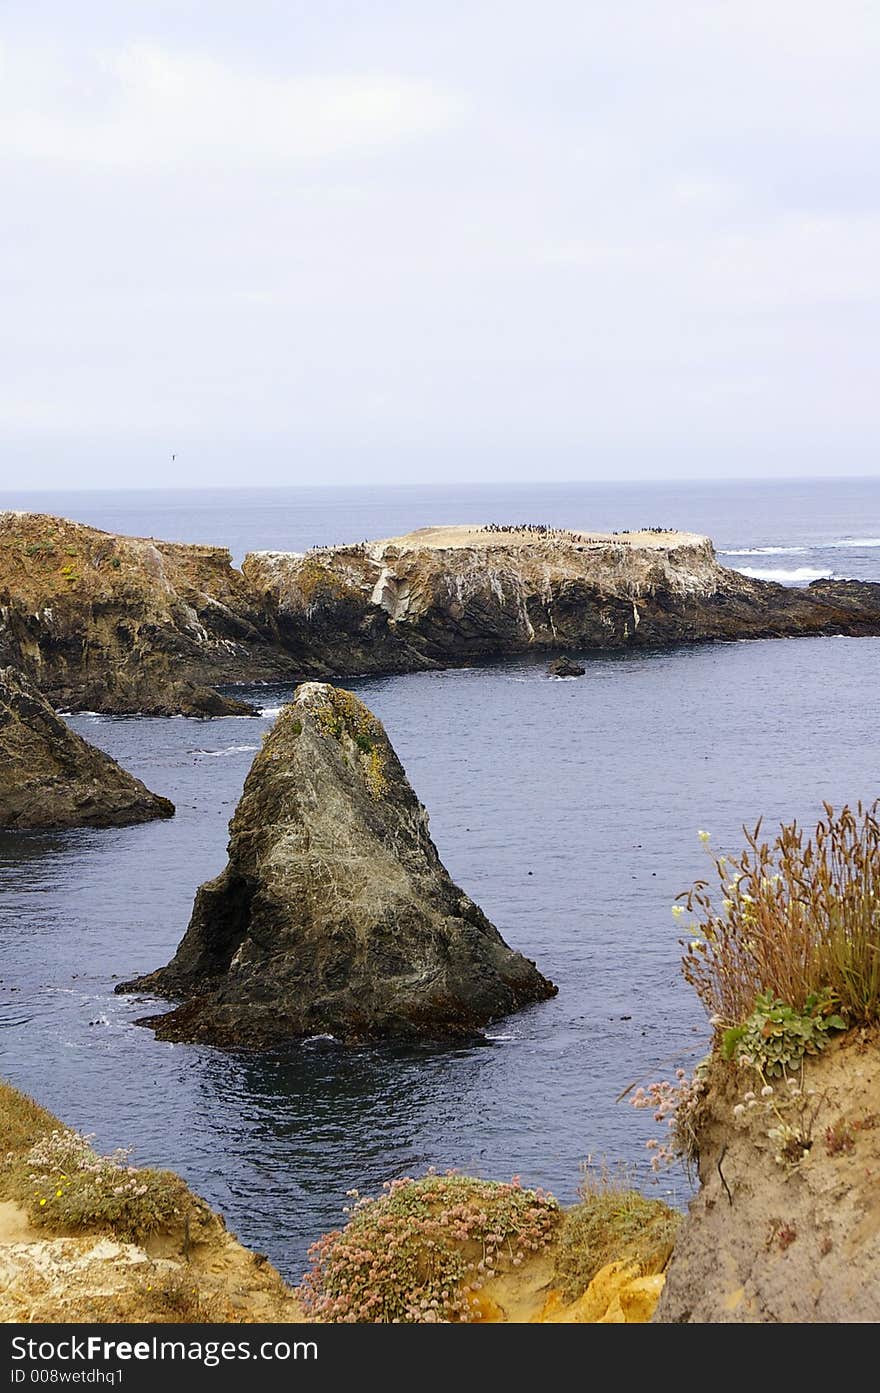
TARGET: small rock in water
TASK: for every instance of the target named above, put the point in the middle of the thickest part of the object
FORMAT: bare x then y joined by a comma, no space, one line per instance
564,667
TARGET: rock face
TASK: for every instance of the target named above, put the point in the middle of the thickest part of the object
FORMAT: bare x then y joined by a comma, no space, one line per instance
564,667
445,596
132,625
771,1242
126,625
51,777
334,913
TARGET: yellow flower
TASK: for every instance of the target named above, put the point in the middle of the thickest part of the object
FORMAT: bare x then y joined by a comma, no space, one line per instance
677,910
57,1194
42,1202
704,836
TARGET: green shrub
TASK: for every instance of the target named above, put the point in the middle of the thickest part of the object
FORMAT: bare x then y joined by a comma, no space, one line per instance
612,1223
416,1253
68,1186
775,1037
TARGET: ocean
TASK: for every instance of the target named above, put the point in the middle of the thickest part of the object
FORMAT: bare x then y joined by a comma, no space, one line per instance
568,810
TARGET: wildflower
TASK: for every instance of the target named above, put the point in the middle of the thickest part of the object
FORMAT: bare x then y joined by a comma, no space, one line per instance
748,1096
704,836
678,910
739,1109
767,1090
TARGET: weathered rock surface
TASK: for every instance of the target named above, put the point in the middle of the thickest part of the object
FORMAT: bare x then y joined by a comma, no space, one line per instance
134,625
51,777
766,1242
334,913
124,624
445,596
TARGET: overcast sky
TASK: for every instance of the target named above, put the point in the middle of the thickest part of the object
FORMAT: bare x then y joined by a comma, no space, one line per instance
381,240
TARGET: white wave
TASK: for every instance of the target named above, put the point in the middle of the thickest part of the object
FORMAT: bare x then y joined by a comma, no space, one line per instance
855,542
765,551
230,750
272,711
801,575
500,1037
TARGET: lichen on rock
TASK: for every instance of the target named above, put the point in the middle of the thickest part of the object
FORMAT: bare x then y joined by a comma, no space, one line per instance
334,913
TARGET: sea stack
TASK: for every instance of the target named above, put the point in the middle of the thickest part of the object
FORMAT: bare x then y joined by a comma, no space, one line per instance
334,914
51,777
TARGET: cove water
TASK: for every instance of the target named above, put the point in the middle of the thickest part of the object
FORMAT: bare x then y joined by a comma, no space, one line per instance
568,809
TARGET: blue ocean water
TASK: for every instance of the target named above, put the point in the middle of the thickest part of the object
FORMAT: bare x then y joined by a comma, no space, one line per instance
568,809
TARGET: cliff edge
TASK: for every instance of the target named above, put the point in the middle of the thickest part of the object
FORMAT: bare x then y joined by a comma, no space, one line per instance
125,625
786,1225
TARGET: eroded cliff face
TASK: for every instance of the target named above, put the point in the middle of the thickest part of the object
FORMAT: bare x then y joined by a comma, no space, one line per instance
125,624
335,913
449,595
793,1240
51,777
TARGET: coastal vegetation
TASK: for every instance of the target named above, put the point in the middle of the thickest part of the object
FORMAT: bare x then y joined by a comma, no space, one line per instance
420,1250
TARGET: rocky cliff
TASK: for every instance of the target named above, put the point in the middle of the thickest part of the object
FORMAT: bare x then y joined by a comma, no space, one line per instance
780,1233
447,595
334,913
85,1237
125,624
51,777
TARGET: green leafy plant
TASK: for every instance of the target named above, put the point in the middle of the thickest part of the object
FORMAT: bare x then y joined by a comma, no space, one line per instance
67,1185
776,1036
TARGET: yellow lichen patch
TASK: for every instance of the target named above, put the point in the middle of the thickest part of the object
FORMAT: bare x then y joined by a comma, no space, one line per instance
342,717
314,579
485,1310
617,1295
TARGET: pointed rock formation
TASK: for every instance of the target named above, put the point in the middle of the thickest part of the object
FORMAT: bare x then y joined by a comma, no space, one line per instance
334,913
51,777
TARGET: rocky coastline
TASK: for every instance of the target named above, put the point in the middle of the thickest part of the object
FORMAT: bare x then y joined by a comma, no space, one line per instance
128,625
51,778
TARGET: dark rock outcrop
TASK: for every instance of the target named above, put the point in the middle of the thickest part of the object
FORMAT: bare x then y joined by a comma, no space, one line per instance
129,625
445,596
564,667
334,913
51,777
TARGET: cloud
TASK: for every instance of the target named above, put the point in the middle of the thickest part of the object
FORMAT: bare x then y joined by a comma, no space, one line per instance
144,106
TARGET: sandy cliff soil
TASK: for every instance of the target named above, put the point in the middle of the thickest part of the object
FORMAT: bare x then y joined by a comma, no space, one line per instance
786,1242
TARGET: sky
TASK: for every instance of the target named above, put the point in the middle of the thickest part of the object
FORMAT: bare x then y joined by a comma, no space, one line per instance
382,241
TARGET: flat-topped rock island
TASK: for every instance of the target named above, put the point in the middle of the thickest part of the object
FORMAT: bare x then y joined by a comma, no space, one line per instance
446,595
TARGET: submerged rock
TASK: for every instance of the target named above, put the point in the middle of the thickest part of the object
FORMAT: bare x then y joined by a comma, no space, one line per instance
564,667
335,913
51,777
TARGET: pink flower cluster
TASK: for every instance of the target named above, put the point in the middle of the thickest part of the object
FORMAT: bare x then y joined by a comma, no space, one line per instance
418,1251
